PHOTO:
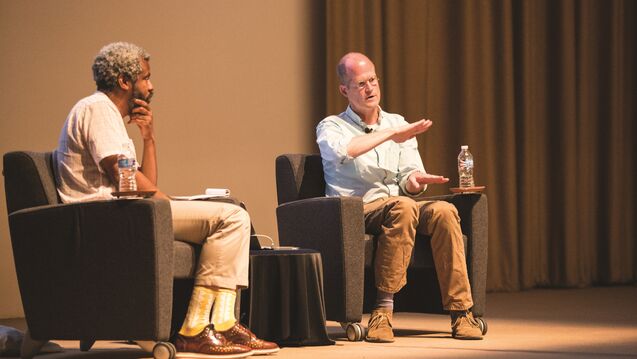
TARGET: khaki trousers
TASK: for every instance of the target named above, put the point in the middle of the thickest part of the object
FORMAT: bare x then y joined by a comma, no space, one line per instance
395,221
223,230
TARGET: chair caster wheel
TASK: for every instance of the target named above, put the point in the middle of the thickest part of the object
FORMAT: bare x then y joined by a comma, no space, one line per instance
483,325
354,331
164,350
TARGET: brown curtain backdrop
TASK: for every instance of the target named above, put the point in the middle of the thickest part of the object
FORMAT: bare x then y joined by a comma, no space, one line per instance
544,93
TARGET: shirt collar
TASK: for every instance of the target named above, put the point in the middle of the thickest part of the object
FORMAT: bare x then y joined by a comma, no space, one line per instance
354,117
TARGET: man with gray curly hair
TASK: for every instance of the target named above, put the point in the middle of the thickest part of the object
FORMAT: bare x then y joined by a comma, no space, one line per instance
119,58
93,137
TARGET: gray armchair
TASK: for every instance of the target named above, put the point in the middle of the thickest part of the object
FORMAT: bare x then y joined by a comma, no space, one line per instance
334,226
91,271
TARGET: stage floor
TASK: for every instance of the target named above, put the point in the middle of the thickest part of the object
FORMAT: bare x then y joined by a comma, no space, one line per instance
547,323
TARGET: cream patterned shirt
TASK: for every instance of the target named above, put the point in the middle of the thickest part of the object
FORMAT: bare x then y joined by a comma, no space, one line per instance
379,173
94,130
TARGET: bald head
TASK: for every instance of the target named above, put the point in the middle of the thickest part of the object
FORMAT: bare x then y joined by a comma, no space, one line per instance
348,62
359,84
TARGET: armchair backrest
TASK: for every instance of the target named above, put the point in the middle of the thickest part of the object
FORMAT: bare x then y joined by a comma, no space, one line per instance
29,180
299,176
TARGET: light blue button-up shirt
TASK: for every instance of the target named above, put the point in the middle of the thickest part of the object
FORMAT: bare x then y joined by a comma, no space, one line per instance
379,173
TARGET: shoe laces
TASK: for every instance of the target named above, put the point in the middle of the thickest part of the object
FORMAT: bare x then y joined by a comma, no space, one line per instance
467,316
378,318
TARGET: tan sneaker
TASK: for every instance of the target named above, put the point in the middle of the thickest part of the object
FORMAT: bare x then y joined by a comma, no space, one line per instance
464,326
379,328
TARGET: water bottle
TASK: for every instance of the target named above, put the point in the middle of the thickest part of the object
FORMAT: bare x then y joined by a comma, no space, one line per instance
127,168
465,167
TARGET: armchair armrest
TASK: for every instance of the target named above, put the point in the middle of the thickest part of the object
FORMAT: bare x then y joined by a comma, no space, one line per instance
106,265
334,226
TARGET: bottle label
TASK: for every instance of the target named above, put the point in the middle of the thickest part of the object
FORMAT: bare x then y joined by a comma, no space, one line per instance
466,164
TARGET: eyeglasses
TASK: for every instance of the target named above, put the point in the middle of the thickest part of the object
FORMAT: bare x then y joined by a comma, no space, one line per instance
372,81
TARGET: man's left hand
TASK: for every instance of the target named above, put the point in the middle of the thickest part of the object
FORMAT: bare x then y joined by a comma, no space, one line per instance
142,116
417,181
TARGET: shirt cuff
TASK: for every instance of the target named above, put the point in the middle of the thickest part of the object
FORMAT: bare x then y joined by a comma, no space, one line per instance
342,154
403,186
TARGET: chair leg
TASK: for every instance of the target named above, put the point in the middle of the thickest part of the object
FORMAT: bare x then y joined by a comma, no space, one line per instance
86,345
146,345
30,347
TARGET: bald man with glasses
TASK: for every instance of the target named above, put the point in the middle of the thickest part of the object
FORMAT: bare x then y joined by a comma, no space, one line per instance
373,154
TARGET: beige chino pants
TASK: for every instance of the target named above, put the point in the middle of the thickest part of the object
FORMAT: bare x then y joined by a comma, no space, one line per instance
223,230
397,220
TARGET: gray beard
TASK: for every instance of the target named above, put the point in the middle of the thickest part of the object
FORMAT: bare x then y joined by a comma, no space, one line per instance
138,95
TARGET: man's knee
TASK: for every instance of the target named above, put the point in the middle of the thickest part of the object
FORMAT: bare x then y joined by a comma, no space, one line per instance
443,211
404,207
231,218
241,217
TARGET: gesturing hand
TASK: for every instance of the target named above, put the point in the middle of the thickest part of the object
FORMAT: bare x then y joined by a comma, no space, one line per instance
142,116
417,181
406,132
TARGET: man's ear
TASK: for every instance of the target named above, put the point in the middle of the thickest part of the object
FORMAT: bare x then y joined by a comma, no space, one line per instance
124,83
343,90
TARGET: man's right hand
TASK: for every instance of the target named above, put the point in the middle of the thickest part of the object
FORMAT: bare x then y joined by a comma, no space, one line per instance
142,116
409,131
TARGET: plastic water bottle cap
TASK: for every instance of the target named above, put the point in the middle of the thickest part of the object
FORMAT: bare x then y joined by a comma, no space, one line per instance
123,162
464,147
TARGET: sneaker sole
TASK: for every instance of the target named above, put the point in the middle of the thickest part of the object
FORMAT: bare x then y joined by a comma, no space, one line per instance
378,340
468,338
264,351
188,355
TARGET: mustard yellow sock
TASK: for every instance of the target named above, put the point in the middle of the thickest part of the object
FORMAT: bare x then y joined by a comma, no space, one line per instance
223,310
198,316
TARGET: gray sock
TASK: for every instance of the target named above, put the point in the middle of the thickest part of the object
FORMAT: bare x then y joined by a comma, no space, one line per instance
384,300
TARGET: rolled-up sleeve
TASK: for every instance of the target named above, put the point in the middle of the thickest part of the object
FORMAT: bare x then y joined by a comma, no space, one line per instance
332,141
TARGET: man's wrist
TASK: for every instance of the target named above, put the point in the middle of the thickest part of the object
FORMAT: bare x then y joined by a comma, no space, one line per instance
407,186
420,188
409,192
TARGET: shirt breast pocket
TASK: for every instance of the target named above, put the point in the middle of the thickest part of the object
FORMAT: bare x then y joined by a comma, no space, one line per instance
389,156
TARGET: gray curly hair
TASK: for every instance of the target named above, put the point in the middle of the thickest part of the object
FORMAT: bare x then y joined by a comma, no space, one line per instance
118,58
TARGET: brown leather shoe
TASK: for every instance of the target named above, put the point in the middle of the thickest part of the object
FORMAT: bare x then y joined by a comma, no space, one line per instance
209,345
239,334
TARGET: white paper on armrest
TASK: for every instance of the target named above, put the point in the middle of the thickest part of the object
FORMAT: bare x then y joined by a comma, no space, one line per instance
218,192
209,193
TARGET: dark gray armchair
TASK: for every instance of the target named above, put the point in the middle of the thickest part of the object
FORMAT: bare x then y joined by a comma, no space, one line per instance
334,226
91,271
